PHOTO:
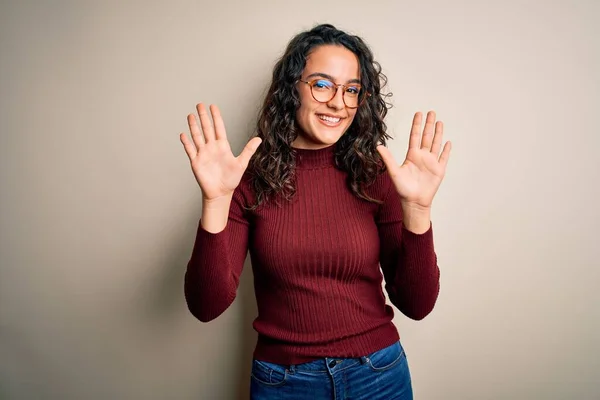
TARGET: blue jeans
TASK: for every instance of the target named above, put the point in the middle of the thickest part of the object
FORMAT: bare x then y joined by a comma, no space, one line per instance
382,375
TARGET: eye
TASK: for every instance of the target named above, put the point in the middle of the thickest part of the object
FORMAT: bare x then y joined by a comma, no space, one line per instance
353,90
322,84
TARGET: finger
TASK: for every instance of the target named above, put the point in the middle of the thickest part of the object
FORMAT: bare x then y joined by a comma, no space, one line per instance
415,131
428,131
437,138
205,123
218,121
248,151
189,147
445,154
387,158
195,131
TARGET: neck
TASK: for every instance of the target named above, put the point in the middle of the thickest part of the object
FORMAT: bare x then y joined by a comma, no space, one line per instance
315,158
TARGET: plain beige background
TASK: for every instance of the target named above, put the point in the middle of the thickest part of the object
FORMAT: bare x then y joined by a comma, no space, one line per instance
99,206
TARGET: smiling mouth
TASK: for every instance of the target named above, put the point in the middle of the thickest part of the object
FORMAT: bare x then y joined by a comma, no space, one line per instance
329,120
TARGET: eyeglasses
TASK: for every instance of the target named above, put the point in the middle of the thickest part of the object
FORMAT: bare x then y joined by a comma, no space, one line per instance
323,91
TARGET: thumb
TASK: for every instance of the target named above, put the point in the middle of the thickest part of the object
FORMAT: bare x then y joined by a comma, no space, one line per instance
249,151
387,157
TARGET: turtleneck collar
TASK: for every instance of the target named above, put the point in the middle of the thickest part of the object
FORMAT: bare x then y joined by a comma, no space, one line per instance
312,159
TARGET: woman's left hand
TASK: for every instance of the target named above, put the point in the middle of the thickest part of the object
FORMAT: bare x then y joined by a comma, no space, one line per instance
420,175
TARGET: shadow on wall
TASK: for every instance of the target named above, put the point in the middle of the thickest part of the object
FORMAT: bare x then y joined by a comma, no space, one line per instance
30,372
168,299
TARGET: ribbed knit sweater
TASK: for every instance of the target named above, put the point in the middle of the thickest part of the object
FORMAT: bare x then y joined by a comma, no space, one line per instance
320,263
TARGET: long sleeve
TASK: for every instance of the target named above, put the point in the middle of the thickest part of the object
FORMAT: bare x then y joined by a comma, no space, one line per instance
408,261
214,269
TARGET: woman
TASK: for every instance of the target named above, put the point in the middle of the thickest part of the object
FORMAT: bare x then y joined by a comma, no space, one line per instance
324,209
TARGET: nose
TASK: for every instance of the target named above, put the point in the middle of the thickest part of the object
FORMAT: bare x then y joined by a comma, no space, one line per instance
337,102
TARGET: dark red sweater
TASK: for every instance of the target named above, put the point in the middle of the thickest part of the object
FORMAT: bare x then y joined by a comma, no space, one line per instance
316,264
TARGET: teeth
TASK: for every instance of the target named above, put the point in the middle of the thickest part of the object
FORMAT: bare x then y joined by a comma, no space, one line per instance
329,119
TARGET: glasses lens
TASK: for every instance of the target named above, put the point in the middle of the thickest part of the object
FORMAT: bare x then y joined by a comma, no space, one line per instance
323,90
353,95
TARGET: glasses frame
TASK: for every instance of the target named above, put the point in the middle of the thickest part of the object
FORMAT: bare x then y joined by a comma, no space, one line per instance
337,86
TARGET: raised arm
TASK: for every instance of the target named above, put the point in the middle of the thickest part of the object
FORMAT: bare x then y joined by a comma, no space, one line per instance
212,275
408,258
213,271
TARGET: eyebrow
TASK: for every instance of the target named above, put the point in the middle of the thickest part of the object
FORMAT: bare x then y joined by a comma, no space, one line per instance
331,78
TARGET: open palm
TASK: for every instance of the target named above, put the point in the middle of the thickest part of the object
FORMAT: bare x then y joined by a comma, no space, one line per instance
418,178
216,169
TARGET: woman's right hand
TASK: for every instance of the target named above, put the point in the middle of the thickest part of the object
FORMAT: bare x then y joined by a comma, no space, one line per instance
216,169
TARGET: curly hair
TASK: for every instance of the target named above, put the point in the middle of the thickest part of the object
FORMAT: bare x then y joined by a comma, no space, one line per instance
272,168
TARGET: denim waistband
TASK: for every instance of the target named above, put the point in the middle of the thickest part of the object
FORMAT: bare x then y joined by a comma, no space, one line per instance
327,364
331,364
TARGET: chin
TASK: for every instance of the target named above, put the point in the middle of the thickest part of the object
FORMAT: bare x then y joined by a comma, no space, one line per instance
325,138
329,134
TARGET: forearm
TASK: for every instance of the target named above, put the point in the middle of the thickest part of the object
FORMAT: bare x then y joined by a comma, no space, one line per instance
408,257
212,275
414,282
210,285
418,277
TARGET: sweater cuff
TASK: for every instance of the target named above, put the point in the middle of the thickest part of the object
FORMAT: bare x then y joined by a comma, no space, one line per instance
209,244
206,234
418,240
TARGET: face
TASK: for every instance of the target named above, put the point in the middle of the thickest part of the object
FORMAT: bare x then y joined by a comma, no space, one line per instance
322,124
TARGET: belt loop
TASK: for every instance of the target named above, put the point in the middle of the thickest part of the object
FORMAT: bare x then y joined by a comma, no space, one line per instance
292,369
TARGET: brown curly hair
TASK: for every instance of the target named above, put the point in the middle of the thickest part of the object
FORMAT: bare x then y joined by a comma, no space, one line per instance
272,168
